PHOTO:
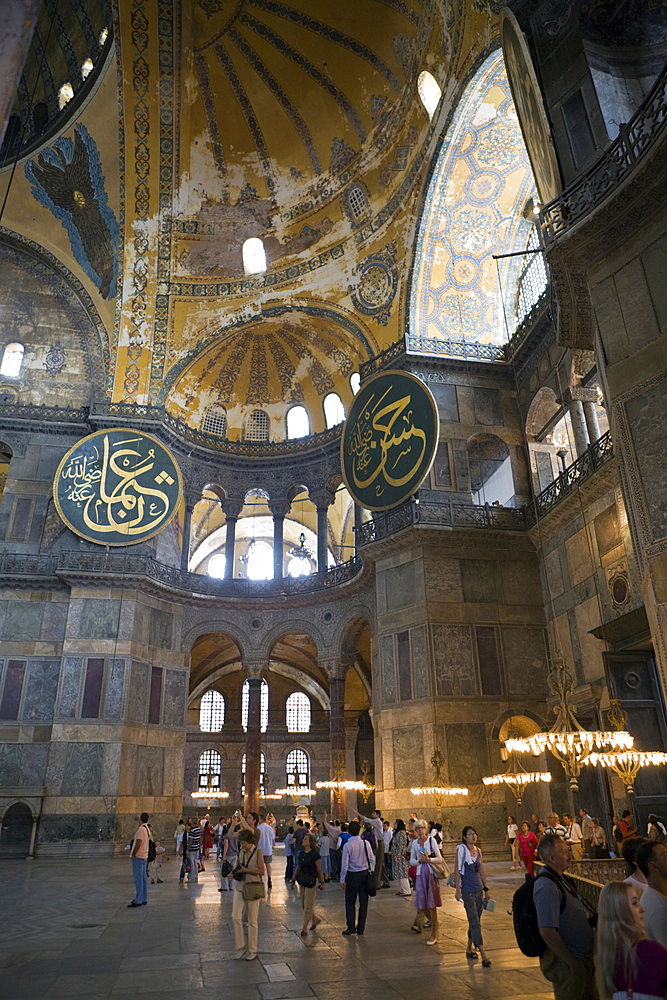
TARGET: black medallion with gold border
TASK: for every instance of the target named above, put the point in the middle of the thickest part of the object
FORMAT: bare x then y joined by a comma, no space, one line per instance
389,439
117,487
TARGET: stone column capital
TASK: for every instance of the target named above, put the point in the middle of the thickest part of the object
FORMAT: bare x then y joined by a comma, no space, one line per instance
279,507
322,498
333,667
232,508
578,393
255,669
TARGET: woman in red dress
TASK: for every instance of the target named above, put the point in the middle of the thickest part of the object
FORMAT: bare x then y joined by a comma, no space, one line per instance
207,838
527,844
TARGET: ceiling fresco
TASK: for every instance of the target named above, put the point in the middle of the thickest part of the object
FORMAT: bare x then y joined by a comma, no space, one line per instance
477,195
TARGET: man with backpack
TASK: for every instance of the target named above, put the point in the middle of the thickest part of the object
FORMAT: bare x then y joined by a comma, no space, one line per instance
562,920
140,856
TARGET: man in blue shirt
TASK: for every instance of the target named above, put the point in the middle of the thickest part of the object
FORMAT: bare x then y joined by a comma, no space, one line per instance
358,859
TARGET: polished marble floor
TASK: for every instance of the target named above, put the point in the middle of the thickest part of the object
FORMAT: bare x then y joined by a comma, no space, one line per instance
65,931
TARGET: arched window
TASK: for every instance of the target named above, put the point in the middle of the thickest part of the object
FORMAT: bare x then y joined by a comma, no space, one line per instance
259,560
357,201
216,566
298,423
210,771
456,291
355,382
12,359
334,411
257,426
264,707
254,256
533,280
215,421
429,92
65,95
297,768
297,713
212,712
86,68
262,774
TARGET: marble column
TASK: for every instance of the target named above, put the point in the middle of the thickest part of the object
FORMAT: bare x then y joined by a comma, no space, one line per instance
351,735
357,524
278,510
187,525
253,746
322,539
232,511
337,741
579,429
591,417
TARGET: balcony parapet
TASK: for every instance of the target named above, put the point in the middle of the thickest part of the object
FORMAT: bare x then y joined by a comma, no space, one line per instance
126,566
588,191
595,456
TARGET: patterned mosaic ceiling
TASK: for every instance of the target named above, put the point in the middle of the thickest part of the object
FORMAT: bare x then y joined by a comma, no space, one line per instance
288,92
478,192
274,364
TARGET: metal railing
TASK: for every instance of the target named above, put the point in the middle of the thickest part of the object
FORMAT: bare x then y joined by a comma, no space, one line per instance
588,191
595,456
447,514
465,349
591,876
128,566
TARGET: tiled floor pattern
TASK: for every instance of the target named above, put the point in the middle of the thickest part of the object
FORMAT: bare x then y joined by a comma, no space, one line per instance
65,931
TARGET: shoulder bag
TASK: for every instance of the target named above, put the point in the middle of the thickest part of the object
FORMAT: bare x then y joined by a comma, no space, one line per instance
438,866
251,890
370,875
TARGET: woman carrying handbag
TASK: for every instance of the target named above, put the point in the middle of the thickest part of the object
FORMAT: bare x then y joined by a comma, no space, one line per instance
425,855
248,891
307,876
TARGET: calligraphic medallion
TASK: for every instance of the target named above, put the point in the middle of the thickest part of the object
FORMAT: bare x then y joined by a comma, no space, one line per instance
117,487
389,439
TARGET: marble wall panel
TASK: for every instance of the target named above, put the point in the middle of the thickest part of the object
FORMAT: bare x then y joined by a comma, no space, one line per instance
161,628
481,581
446,401
467,754
461,467
10,761
54,622
40,687
83,769
150,770
443,579
607,530
587,617
59,828
33,764
173,771
554,573
23,621
421,667
454,667
113,698
408,757
70,686
545,470
401,586
388,665
488,407
526,660
442,470
110,769
174,694
141,625
128,769
579,561
99,619
138,696
55,768
521,582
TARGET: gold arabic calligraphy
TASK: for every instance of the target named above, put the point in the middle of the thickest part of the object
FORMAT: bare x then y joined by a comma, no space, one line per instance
117,492
381,442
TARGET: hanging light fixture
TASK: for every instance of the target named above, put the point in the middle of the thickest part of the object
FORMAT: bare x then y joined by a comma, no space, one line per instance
627,763
340,784
296,792
439,790
517,778
210,792
567,740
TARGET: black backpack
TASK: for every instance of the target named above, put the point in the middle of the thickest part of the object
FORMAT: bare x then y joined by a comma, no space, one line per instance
524,914
151,850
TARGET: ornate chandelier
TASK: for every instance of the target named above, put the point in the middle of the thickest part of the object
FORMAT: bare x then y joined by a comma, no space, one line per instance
296,792
439,790
210,792
567,740
517,778
340,784
627,763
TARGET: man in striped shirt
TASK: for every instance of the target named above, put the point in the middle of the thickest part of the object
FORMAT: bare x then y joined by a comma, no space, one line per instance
193,834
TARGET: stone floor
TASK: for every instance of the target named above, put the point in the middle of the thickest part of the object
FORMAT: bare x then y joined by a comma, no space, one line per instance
66,931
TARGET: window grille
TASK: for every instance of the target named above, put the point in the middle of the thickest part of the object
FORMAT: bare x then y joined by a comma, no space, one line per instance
210,771
297,713
533,280
297,768
257,426
212,712
357,201
262,774
215,421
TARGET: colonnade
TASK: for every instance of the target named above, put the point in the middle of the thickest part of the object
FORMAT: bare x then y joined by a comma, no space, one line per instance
581,403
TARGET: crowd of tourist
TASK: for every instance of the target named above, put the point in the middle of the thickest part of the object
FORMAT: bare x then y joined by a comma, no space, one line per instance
615,953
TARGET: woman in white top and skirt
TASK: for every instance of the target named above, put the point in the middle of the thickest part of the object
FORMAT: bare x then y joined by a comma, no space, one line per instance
427,888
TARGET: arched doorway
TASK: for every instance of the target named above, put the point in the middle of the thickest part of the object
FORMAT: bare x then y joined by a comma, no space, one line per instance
16,830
